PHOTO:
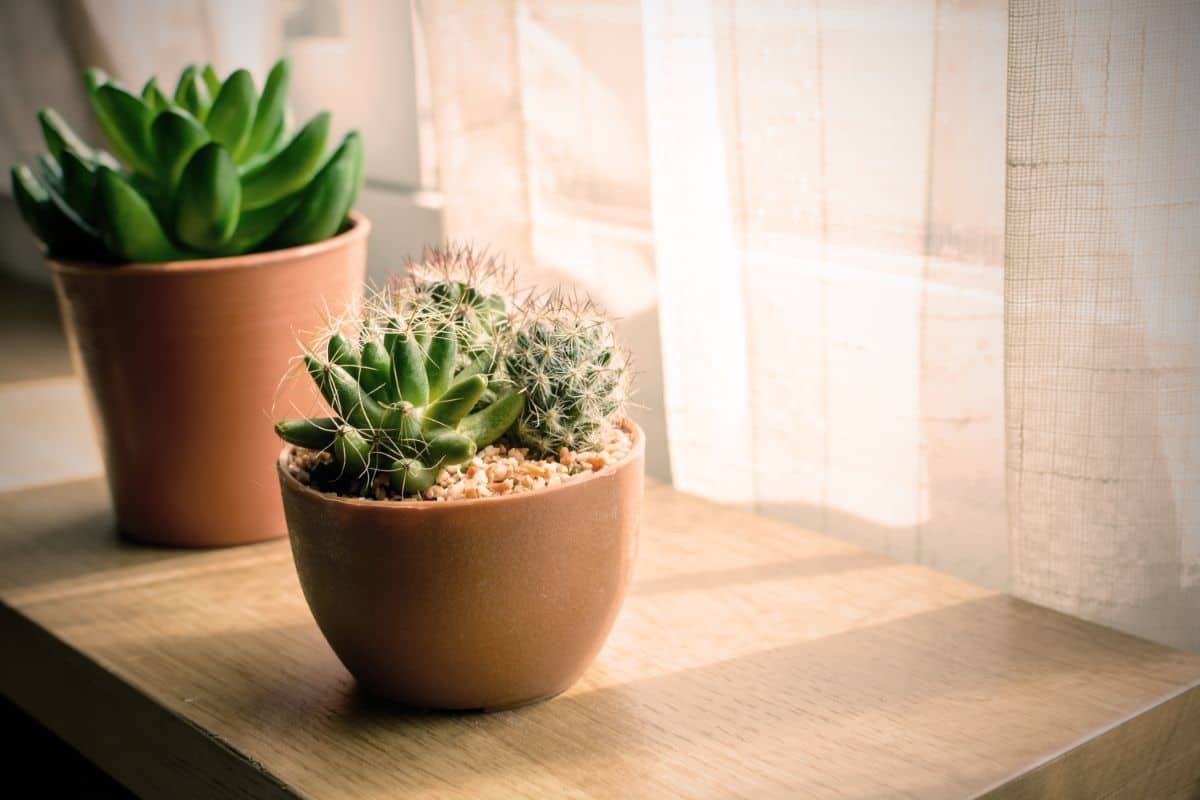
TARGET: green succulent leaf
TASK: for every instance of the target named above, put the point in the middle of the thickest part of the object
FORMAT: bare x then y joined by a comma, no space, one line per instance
192,93
153,97
209,199
269,114
93,79
125,121
289,169
130,230
327,199
79,185
59,136
229,121
256,226
63,236
50,171
177,135
211,79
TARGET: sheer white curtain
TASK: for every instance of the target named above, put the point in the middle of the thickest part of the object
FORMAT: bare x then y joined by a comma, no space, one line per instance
1103,311
808,200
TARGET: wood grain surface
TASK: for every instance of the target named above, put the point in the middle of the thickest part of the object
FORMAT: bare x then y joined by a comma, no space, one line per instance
752,659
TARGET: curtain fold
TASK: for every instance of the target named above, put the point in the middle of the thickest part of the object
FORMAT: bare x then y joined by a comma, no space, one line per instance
1102,298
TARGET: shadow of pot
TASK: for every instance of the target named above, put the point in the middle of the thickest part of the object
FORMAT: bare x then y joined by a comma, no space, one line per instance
182,364
469,604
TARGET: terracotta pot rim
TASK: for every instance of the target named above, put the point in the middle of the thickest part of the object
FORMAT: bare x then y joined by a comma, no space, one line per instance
639,446
360,226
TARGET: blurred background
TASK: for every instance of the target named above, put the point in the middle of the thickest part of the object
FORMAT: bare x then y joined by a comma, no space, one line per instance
798,210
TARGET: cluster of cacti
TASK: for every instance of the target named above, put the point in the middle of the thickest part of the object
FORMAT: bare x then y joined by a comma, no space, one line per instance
563,353
211,170
444,363
406,405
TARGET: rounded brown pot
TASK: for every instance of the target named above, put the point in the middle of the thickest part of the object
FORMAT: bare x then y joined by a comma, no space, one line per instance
183,362
469,604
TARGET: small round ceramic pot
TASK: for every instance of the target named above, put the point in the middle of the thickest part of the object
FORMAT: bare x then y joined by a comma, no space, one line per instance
486,604
182,364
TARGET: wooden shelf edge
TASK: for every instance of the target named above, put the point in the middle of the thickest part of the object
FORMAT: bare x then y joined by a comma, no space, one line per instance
111,723
1112,762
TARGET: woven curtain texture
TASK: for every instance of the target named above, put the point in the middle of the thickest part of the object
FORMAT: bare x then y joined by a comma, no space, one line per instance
796,207
1102,294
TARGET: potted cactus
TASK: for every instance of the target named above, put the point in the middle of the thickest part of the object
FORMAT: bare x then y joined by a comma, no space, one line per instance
464,507
183,261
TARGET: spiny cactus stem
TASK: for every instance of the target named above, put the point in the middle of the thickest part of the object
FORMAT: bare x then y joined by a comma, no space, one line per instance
456,403
408,369
409,476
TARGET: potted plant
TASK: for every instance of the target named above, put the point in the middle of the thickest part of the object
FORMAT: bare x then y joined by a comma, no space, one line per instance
182,270
464,514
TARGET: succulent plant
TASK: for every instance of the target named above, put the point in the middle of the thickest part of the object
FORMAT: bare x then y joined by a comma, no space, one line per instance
208,171
563,354
405,405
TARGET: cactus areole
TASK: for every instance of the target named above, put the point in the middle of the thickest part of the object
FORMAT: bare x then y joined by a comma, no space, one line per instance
210,170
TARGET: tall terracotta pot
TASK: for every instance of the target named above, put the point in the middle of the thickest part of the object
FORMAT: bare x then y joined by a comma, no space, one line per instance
469,604
183,362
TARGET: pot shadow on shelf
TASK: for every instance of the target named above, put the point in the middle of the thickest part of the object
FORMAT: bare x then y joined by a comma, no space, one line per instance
58,533
950,678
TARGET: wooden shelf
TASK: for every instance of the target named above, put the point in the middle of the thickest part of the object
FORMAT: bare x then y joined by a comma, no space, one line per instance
752,659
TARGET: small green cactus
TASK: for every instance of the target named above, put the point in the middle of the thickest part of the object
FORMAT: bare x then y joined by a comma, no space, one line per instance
465,289
405,405
208,171
563,353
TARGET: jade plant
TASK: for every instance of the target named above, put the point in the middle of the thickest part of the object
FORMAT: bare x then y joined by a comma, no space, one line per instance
210,170
440,365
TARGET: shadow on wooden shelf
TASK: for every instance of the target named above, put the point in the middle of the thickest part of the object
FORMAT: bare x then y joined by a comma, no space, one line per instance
70,536
751,658
801,703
